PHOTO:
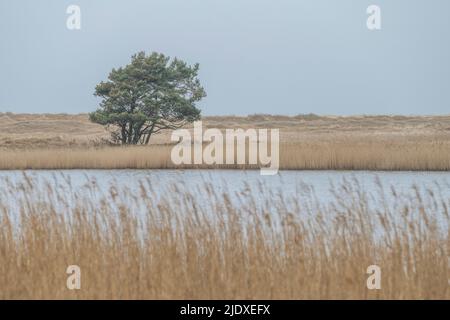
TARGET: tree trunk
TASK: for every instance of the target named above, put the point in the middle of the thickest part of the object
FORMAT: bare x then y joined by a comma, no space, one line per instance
147,139
130,133
123,134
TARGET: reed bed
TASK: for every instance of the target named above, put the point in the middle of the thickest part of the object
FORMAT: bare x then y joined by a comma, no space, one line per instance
137,244
308,141
346,154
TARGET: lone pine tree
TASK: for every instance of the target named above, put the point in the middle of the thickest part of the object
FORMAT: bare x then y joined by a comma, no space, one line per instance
152,93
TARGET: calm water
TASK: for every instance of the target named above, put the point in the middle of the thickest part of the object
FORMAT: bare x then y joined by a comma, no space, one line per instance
287,184
303,194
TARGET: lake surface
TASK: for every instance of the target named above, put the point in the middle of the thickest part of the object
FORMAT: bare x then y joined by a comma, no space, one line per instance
322,185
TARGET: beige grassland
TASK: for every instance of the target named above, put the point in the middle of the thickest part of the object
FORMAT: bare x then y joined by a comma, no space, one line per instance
293,248
60,141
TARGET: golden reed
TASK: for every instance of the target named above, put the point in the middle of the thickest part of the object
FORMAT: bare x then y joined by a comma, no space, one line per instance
325,155
135,244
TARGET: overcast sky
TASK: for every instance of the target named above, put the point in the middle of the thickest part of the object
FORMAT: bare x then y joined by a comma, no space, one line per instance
256,56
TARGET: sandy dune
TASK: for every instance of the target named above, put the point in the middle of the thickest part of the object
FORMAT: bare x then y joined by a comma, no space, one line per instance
59,130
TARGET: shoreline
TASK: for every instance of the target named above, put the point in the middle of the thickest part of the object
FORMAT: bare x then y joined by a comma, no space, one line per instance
230,169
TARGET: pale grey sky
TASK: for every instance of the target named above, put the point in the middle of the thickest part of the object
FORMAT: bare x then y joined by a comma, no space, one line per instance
256,56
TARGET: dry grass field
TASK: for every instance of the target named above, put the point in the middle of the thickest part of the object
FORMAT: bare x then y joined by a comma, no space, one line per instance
181,249
59,141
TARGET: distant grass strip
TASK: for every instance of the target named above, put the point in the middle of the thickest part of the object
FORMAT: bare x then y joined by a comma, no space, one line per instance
342,155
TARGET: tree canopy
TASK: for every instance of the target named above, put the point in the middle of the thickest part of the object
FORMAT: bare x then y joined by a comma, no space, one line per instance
152,93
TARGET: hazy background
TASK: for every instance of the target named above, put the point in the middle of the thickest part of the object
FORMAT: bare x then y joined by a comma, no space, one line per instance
256,56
